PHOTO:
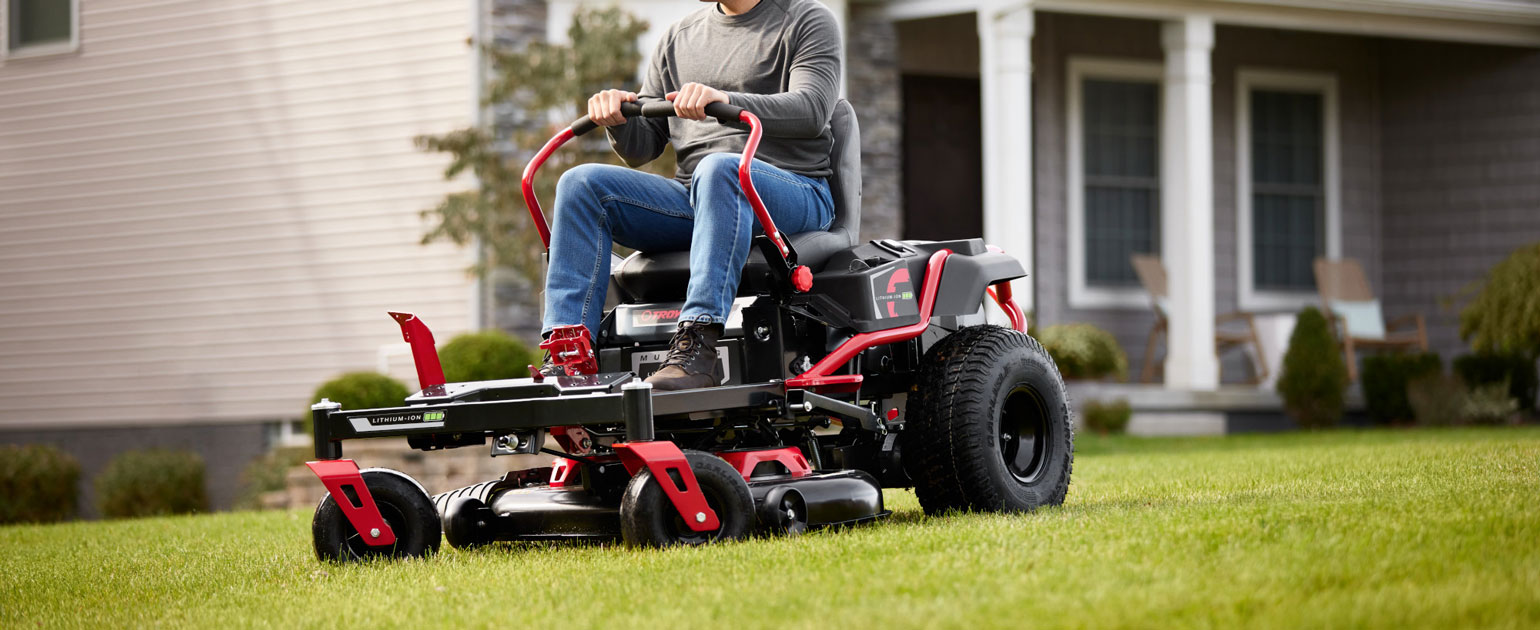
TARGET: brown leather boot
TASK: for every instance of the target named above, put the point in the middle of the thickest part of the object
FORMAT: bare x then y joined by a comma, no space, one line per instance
550,368
692,359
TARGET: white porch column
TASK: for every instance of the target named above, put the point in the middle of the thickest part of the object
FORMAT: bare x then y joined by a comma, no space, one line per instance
1187,201
1005,73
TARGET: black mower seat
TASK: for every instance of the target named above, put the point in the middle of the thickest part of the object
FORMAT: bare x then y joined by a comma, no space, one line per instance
662,276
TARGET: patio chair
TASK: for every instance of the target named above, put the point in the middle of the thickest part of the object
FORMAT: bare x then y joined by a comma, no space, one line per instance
1152,274
1355,316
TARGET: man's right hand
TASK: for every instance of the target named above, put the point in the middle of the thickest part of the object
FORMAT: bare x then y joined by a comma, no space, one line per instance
604,107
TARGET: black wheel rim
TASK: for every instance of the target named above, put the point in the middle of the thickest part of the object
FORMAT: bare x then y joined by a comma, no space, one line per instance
354,547
794,513
682,532
1024,433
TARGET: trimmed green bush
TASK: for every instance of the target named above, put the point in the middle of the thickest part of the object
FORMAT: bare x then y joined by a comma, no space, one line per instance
485,356
1437,399
152,482
38,484
1486,369
1314,375
1083,351
268,473
359,390
1385,377
1105,418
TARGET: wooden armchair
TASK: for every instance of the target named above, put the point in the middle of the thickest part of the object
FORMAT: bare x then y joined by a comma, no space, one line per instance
1355,316
1152,274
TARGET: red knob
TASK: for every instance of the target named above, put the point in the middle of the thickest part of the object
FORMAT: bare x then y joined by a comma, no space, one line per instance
802,279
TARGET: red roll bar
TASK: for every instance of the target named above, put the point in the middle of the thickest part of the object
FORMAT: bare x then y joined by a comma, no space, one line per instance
724,111
822,377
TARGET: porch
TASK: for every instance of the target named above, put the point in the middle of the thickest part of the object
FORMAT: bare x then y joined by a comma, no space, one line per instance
1265,136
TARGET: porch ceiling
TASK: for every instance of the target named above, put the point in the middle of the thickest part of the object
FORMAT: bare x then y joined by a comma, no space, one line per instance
1504,22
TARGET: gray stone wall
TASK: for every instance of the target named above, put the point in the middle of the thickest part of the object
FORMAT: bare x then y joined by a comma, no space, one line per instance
873,88
226,449
1461,172
513,303
512,24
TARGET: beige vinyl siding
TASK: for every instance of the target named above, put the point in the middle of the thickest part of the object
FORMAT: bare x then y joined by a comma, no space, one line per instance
208,209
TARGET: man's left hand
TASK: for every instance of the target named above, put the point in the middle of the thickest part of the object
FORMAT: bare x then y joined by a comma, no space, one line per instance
692,98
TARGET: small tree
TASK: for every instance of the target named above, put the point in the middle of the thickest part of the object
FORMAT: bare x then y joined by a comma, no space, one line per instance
1314,375
1504,318
537,90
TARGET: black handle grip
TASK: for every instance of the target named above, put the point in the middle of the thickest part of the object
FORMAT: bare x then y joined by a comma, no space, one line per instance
725,113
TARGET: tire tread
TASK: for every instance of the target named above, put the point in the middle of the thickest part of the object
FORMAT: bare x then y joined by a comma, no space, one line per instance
943,441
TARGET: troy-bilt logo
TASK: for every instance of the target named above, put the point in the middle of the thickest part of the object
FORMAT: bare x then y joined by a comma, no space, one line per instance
654,316
406,418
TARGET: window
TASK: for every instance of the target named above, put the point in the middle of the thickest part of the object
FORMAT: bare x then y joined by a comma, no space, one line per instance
40,27
1287,171
1114,178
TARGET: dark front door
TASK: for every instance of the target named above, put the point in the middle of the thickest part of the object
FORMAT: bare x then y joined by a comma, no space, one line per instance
943,158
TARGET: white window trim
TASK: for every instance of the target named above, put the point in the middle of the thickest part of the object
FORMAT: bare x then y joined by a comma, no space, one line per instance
1250,298
38,50
1080,68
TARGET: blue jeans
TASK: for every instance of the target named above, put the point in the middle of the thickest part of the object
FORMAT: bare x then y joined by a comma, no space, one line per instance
597,204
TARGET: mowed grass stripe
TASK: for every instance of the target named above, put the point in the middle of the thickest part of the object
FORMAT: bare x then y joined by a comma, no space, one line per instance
1374,529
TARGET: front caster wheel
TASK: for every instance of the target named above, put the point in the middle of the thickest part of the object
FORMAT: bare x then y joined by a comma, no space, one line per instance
648,518
406,509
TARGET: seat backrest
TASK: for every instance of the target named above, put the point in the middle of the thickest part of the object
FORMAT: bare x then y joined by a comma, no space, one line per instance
1152,274
1341,280
845,182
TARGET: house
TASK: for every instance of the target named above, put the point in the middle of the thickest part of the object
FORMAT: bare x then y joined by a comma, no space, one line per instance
1237,139
207,206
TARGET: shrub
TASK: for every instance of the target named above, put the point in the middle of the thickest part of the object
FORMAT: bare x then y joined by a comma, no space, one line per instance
1083,351
1105,418
151,482
1314,376
1436,399
1486,369
1385,378
1504,318
1489,404
38,484
359,390
485,356
268,473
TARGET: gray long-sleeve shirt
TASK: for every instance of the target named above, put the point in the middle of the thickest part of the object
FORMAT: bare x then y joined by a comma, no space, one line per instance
779,60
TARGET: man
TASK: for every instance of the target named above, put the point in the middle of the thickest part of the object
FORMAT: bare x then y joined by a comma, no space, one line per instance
779,59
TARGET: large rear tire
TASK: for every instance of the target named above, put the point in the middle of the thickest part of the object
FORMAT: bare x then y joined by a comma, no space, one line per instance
989,428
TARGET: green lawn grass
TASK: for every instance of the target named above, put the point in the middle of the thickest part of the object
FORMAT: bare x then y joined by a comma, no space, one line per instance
1380,529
